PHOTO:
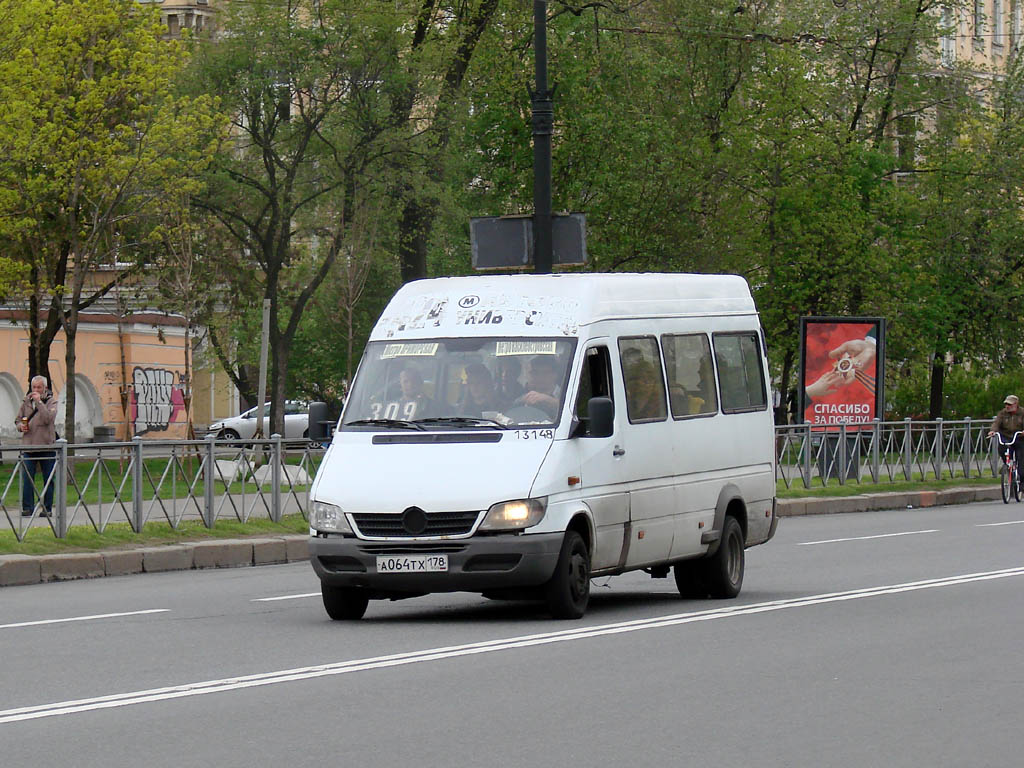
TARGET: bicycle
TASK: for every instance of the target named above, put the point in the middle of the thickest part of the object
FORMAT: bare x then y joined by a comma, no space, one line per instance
1009,474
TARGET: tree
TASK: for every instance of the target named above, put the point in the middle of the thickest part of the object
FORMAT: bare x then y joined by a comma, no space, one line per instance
92,140
306,86
436,59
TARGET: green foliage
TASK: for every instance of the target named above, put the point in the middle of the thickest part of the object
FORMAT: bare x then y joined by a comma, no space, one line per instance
976,392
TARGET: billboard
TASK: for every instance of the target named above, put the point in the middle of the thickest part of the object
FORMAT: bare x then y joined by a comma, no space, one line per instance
842,370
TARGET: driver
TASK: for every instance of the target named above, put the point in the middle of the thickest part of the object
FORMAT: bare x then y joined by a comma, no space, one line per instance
542,390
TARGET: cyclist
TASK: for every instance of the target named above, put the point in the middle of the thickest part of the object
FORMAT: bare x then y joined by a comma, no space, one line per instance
1008,422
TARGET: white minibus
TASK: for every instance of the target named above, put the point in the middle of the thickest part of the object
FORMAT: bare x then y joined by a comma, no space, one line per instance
519,435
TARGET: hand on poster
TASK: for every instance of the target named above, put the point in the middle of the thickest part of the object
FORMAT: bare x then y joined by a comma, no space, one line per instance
826,385
861,352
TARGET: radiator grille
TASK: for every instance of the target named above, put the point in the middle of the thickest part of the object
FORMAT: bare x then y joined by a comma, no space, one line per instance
437,524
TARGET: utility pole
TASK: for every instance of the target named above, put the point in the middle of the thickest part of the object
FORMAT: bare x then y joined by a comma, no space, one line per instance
543,120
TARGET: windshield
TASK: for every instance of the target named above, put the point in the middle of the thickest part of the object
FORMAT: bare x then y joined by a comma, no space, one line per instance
497,382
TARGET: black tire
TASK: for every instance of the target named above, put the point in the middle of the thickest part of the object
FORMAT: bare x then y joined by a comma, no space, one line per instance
1015,485
1004,483
344,603
723,571
568,591
690,579
227,434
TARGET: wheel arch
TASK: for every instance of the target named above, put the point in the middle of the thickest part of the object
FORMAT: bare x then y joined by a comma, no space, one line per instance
730,504
584,526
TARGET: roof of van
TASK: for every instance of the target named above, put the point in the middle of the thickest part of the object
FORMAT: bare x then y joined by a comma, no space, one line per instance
553,305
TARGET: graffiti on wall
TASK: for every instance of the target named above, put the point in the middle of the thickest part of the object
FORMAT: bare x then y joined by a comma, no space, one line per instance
157,399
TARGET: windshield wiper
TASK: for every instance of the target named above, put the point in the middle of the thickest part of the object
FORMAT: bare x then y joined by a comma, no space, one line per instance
394,423
465,421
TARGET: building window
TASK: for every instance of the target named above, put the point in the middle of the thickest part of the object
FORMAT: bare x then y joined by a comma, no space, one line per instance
998,27
948,39
1018,22
979,19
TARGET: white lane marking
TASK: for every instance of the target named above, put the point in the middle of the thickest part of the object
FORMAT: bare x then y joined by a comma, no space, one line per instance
82,618
993,525
488,646
283,597
865,538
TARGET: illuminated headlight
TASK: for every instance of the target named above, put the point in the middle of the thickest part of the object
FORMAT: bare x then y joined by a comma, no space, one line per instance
509,515
328,517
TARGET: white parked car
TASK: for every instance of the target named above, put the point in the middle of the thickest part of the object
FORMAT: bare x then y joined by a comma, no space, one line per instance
243,427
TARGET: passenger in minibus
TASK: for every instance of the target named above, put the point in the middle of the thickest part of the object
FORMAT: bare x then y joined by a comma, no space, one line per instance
644,394
508,387
415,403
480,396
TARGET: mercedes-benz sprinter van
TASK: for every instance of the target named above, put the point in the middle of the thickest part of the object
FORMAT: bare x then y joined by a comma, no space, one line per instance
518,435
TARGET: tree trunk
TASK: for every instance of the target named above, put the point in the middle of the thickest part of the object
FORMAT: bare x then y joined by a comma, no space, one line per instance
280,347
787,370
413,233
938,376
124,392
71,331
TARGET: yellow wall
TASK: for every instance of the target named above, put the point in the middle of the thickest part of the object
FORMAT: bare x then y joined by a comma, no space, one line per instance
154,366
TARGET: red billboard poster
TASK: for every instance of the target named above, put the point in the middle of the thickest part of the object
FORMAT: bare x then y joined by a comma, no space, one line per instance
841,370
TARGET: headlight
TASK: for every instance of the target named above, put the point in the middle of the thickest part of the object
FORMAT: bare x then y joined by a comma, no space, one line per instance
328,517
510,515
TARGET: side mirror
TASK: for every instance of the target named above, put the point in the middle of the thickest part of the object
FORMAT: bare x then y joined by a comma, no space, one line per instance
601,417
319,422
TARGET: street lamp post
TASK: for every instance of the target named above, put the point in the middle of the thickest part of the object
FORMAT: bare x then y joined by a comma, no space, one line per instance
543,119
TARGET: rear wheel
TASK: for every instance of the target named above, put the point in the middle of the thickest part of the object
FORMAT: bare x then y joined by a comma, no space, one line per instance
568,591
1004,483
344,603
723,571
690,579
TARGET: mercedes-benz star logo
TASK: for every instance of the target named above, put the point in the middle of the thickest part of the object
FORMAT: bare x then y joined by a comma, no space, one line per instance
414,520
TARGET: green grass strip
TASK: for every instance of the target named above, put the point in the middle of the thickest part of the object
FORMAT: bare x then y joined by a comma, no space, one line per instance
852,488
83,538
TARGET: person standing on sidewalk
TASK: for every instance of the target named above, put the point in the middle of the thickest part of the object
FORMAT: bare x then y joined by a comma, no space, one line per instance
36,421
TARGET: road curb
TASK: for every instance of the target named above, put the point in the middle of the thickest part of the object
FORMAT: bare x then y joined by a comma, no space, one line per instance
18,570
830,505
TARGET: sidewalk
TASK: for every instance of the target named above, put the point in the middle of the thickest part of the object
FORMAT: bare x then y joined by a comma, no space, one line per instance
237,553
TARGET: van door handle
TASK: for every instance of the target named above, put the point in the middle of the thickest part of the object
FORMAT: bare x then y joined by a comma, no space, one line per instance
617,451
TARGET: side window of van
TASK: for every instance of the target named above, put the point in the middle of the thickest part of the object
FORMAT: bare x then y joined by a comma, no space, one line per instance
595,381
738,357
691,375
641,373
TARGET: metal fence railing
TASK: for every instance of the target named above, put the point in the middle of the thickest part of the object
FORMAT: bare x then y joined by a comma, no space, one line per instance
145,480
210,480
884,452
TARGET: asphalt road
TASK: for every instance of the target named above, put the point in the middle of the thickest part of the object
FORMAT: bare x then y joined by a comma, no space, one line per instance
874,639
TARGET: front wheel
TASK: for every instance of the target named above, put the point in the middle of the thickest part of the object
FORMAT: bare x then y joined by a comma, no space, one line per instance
344,603
1016,482
1004,483
568,591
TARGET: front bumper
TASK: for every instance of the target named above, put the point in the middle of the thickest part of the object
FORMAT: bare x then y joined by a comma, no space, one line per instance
475,564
